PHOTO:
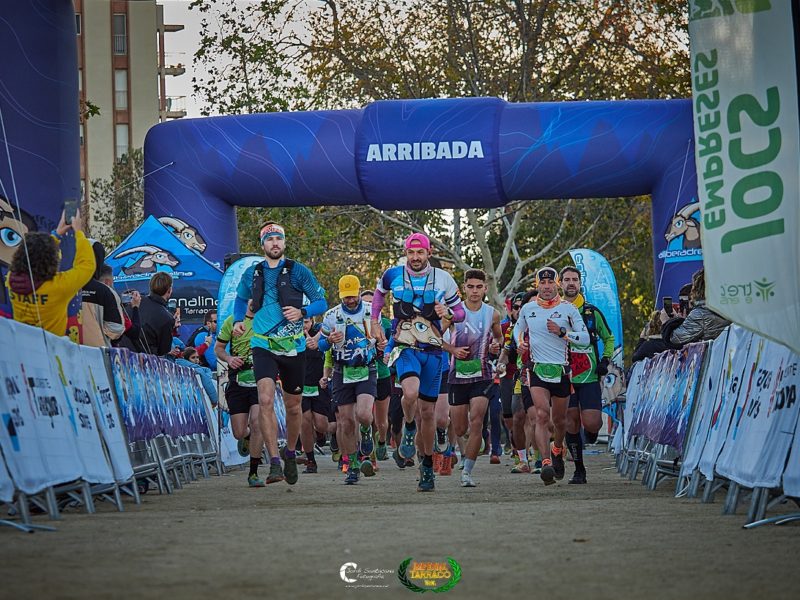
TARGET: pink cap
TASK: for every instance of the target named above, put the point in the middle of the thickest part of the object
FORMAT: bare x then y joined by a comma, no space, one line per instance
418,240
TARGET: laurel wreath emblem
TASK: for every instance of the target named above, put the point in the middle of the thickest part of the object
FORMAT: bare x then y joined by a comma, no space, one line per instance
455,569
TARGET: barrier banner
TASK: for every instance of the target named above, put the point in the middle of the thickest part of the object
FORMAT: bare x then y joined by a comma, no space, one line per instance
708,393
37,438
763,426
791,476
737,358
634,393
71,375
126,371
107,412
747,143
6,485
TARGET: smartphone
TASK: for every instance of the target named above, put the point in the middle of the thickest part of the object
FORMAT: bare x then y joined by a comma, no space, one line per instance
667,305
71,206
172,305
125,297
684,304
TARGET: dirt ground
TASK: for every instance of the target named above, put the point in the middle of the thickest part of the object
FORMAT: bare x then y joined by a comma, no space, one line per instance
512,537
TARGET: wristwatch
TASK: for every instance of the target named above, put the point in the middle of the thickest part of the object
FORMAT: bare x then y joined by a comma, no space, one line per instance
304,312
562,332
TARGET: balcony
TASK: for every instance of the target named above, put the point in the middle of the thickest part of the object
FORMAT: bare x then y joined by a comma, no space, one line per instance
120,41
172,28
176,107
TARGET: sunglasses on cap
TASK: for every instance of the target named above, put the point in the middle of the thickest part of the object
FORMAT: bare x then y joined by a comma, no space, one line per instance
516,307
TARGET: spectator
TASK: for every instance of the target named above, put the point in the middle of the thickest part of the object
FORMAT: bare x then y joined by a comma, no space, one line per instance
42,299
191,359
101,310
132,339
651,342
204,338
157,321
700,324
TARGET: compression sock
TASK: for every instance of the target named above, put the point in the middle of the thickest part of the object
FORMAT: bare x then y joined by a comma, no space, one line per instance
441,436
468,464
575,445
427,460
289,453
591,437
310,457
275,460
354,464
254,462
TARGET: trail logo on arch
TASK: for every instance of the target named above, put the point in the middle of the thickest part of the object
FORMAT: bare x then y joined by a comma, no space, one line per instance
683,235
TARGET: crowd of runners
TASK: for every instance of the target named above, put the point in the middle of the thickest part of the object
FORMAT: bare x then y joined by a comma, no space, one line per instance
415,386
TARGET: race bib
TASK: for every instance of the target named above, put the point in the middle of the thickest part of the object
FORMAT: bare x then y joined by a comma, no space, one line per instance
355,374
246,378
518,386
467,369
548,373
579,363
310,390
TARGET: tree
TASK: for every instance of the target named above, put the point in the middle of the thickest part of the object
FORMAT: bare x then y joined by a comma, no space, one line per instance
118,202
346,53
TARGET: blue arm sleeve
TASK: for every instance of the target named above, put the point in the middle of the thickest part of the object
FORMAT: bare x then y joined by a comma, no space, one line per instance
304,279
324,344
316,308
244,291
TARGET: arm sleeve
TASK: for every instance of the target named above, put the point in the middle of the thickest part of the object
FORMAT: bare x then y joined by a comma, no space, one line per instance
604,331
378,300
305,280
453,300
578,334
244,291
690,330
82,267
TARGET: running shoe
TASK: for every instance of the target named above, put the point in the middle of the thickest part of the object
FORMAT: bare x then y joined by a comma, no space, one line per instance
243,446
537,467
466,480
275,474
548,474
446,468
290,470
311,467
352,477
521,467
254,481
507,449
366,441
407,448
409,462
381,452
558,465
367,468
437,445
495,460
426,479
398,460
516,459
578,478
336,456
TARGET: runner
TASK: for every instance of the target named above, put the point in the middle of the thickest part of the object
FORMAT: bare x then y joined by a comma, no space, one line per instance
345,330
586,365
241,393
277,285
384,386
316,401
425,302
552,323
471,383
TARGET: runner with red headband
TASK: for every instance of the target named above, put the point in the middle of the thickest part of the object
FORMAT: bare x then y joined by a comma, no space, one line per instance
551,323
425,303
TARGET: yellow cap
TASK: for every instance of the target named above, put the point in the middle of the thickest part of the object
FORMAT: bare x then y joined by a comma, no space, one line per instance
349,285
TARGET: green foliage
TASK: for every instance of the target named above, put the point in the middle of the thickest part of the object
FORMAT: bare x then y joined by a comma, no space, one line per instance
117,203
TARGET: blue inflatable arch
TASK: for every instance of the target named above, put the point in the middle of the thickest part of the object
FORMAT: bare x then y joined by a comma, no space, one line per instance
413,154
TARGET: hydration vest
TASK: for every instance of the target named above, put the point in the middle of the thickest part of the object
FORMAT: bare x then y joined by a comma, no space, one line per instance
287,294
403,307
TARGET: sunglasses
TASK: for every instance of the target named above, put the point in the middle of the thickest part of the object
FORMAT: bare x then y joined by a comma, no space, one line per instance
516,307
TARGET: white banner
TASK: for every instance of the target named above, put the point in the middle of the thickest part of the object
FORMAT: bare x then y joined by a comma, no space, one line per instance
747,154
737,358
6,485
40,449
77,395
762,430
228,452
791,477
706,400
108,417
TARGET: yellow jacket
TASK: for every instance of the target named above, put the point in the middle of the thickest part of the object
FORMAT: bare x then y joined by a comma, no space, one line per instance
53,296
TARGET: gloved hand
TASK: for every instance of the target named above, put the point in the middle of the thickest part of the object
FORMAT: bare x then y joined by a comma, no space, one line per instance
602,367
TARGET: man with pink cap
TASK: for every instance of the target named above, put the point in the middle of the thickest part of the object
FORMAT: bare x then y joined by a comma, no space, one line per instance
425,303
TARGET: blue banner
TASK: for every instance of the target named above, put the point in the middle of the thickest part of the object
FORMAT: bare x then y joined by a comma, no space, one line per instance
600,289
